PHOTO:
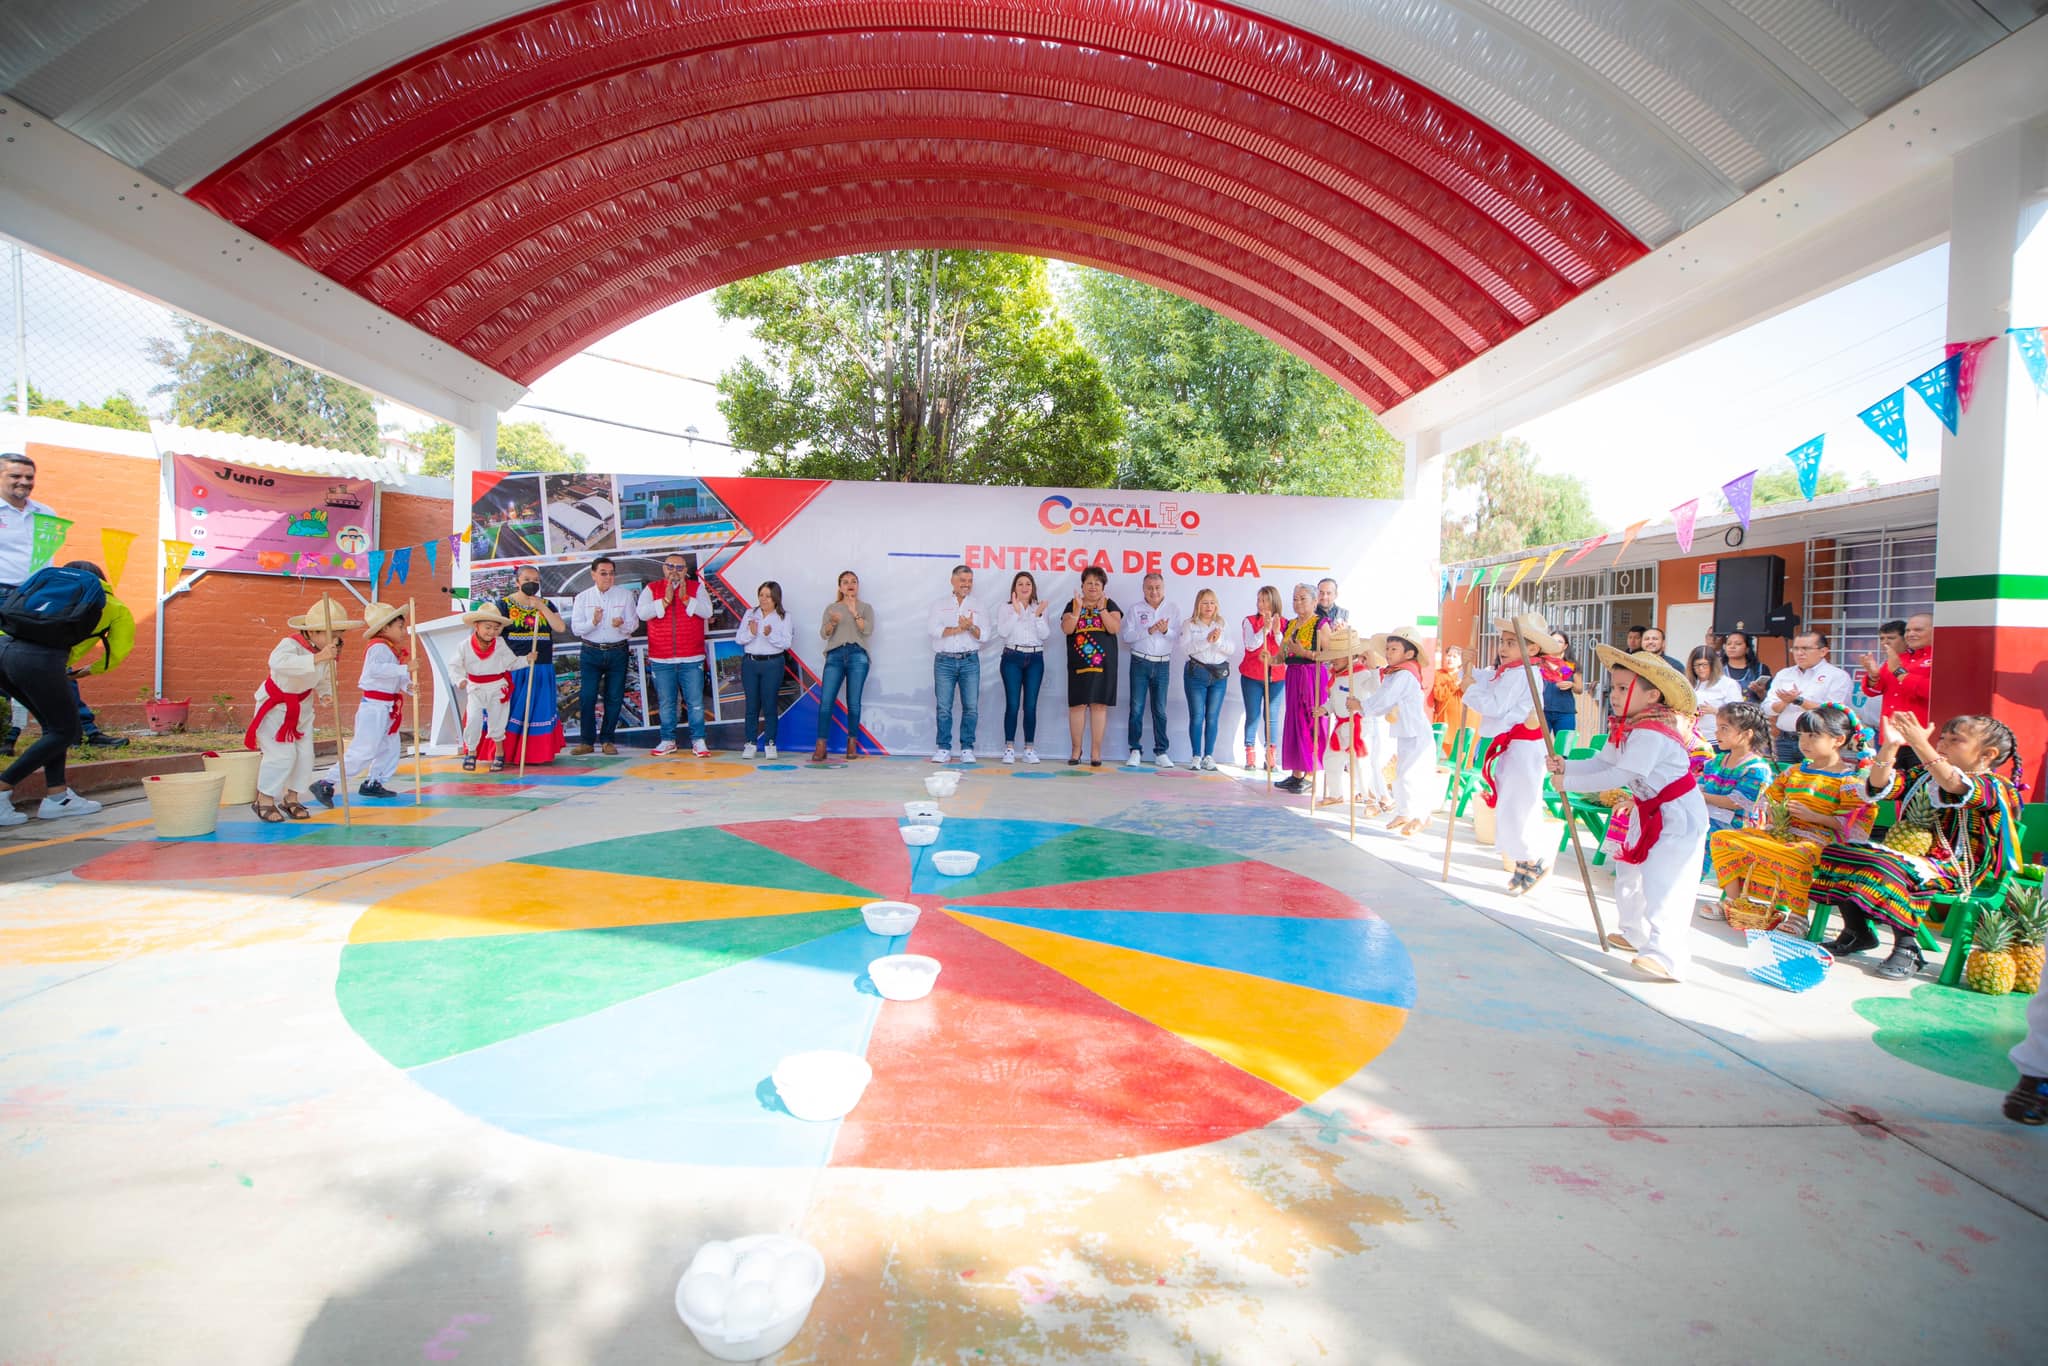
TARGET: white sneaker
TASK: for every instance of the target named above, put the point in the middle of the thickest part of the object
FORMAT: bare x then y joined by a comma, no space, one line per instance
665,747
1009,755
697,748
1162,762
10,814
940,756
1136,760
770,753
966,756
70,804
1030,755
748,752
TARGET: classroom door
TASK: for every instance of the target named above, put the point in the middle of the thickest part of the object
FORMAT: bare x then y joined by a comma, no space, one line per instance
1685,628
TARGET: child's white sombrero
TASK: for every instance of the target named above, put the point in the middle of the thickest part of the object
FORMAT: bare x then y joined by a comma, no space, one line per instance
324,615
1533,630
488,612
1653,670
378,615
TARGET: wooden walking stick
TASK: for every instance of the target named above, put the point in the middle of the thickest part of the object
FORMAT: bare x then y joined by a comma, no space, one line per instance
532,663
340,749
412,685
1351,746
1571,824
1464,755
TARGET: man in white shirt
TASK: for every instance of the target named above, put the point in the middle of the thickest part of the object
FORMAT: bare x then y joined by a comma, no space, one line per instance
675,611
604,618
17,547
1811,683
957,628
1149,630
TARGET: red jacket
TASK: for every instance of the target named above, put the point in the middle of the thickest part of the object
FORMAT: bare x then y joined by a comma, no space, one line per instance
676,633
1908,693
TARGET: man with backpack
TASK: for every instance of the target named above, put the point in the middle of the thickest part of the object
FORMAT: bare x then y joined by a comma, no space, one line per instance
17,540
60,625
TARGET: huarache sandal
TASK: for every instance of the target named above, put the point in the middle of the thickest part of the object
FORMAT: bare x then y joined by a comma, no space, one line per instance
2027,1103
266,811
296,810
469,763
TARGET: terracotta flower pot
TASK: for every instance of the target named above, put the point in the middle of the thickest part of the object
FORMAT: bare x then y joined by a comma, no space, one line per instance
166,717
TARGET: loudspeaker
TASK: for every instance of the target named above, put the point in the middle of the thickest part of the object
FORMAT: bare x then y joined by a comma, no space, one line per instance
1746,592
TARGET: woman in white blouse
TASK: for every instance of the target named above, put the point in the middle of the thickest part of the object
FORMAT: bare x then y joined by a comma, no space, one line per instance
1022,626
765,635
1713,689
1210,647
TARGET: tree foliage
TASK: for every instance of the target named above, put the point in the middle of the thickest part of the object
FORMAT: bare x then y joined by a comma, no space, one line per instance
117,409
226,384
1782,486
521,446
1211,405
938,366
1505,503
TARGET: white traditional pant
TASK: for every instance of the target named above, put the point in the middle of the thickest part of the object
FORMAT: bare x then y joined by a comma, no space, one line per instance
487,705
374,748
287,764
1655,897
1518,810
1414,767
1379,748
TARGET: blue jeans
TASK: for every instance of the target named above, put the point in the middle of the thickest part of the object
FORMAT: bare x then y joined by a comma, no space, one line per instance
848,663
761,680
1149,678
962,671
1261,698
1023,671
675,680
601,671
1561,722
1205,707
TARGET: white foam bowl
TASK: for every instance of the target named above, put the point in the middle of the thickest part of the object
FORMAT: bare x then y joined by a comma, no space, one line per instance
942,784
755,1343
956,862
923,813
904,976
889,918
821,1085
919,835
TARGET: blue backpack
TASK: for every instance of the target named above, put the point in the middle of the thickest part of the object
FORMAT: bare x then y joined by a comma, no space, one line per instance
55,606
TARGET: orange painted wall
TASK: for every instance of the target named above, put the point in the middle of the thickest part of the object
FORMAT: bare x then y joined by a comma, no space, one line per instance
1678,582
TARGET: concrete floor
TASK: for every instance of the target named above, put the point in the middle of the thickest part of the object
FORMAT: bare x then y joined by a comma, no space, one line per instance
203,1160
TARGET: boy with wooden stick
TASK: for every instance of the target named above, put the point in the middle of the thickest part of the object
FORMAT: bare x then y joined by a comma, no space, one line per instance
1511,728
1650,757
282,728
1399,699
374,749
488,664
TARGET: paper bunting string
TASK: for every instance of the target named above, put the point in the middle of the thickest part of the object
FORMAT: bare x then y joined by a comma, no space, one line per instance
430,547
1887,417
1588,548
1937,387
1478,579
1521,572
1967,354
50,531
175,555
401,562
1628,537
1805,458
2033,355
1548,560
376,569
114,553
1682,517
1740,492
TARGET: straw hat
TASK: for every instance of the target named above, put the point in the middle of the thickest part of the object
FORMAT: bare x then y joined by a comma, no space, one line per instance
378,615
324,615
1652,669
488,612
1533,630
1411,636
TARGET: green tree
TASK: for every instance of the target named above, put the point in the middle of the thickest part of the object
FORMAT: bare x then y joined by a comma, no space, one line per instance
226,384
118,409
1506,503
1782,486
941,366
521,446
1211,405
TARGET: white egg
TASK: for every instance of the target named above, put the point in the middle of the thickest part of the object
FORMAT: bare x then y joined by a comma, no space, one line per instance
749,1309
792,1284
716,1258
756,1268
704,1296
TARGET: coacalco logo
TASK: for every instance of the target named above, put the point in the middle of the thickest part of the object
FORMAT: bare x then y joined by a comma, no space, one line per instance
1060,514
1054,514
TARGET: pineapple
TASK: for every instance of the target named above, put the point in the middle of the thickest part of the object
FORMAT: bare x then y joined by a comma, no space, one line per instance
2028,911
1989,968
1910,839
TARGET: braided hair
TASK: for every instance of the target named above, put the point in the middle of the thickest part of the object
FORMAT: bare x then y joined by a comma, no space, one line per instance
1749,719
1995,735
1835,720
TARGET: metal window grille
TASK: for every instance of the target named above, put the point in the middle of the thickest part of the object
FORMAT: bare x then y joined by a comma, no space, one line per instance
1581,605
1856,583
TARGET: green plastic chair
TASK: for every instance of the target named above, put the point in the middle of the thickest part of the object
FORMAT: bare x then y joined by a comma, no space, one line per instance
1461,786
1959,922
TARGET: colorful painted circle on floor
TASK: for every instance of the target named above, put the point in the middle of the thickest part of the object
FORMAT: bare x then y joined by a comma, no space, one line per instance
1102,993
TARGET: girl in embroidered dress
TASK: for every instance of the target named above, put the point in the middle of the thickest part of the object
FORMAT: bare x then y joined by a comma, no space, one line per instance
1829,798
1733,781
1969,814
283,725
1400,701
374,749
488,664
1651,759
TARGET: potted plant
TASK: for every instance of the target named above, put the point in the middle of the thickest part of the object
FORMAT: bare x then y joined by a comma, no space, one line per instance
164,716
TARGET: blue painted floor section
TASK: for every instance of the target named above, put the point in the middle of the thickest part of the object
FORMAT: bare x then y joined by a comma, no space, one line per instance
995,841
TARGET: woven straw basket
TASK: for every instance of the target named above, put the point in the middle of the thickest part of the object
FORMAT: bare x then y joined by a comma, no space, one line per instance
183,805
241,767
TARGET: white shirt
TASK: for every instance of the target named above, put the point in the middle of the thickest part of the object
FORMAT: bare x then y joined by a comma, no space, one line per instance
591,617
776,632
18,538
1722,692
649,606
1025,630
946,612
1399,699
1502,700
1194,638
1138,633
1822,683
381,670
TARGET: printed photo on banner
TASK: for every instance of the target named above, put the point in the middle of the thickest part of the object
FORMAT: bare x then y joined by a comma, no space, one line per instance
580,513
248,520
504,520
671,510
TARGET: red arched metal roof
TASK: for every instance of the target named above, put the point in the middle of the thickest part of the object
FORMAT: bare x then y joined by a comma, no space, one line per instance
527,188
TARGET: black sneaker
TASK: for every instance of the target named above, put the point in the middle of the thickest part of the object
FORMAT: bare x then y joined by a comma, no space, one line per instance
1854,938
323,792
374,789
2027,1103
100,739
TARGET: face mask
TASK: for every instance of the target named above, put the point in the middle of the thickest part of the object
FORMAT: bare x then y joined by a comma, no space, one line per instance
530,588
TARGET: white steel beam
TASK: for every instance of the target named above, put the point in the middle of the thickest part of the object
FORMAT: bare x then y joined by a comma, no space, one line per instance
72,202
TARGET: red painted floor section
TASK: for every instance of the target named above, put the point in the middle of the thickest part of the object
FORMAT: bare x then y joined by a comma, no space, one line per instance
461,789
865,851
154,862
1038,1070
1221,889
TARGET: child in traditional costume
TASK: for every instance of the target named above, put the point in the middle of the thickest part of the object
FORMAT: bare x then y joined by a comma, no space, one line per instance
1733,781
1957,831
1377,742
373,750
1349,733
488,664
1650,757
1399,700
1511,727
1829,798
533,730
282,728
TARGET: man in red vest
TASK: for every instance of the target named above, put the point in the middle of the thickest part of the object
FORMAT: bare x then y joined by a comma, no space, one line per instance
675,611
1905,677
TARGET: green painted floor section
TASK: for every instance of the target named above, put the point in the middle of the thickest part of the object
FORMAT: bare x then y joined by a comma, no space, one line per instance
492,803
385,836
705,854
1089,854
1960,1034
418,1001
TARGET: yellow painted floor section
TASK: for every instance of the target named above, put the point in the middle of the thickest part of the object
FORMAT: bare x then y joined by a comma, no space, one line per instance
378,815
1303,1041
521,898
684,770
